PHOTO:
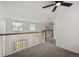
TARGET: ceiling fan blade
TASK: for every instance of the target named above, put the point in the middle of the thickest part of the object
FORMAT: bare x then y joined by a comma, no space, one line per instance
66,4
54,8
48,6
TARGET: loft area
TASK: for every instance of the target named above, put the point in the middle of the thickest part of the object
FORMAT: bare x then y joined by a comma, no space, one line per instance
29,30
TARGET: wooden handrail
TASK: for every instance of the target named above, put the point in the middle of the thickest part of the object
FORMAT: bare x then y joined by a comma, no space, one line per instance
17,33
3,34
47,30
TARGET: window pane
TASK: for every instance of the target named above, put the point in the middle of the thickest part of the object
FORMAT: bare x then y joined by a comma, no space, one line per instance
32,27
17,27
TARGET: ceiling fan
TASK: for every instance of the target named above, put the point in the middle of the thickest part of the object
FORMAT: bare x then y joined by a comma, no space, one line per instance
58,3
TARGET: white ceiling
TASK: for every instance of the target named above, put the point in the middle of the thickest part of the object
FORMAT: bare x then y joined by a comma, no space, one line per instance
28,10
33,11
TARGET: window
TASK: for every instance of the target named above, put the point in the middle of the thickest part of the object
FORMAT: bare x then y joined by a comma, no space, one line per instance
17,27
32,27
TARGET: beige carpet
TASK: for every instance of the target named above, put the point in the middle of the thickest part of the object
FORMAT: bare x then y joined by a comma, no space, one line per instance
44,50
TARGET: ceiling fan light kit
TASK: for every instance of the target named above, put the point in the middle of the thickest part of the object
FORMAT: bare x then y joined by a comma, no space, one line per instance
58,4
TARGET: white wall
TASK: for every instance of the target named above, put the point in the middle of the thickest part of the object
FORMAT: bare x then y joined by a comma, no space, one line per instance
66,27
2,14
2,29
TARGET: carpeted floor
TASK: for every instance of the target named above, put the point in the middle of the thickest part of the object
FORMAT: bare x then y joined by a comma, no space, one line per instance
44,50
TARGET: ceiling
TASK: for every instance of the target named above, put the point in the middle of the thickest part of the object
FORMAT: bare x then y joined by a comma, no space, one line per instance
28,10
33,11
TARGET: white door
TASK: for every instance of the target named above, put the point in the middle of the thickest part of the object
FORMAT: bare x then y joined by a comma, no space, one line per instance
2,30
